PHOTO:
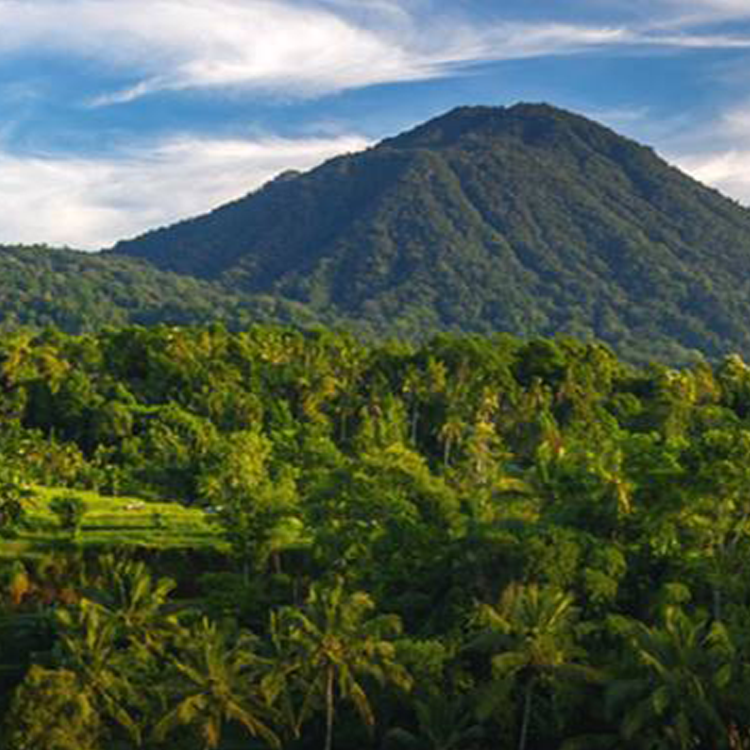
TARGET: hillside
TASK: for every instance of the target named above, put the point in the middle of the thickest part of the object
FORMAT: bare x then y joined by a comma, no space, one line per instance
526,219
81,292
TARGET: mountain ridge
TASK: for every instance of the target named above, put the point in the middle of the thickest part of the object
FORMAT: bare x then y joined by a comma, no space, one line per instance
528,219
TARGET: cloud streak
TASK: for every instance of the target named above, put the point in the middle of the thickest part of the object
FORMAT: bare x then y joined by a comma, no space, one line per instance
702,11
290,48
90,203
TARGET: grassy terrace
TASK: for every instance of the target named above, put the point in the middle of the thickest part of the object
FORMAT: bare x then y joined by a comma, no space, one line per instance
111,521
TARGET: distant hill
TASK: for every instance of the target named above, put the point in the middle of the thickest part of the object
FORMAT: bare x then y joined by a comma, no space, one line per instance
526,219
81,292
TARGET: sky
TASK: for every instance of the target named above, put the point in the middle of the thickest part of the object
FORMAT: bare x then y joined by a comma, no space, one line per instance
119,116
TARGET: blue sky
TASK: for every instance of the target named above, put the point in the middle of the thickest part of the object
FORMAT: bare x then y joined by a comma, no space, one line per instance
117,116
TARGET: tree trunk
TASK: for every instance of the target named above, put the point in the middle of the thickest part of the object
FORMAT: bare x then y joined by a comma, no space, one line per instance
526,715
717,608
276,562
342,426
329,709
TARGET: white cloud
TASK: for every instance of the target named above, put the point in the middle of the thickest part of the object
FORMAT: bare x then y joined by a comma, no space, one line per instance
718,153
727,171
697,41
282,46
90,203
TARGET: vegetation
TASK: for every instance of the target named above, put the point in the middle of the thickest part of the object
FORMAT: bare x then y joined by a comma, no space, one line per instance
529,220
82,292
49,517
295,540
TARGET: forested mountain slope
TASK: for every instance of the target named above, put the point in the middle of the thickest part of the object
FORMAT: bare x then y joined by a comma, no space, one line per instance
79,292
527,219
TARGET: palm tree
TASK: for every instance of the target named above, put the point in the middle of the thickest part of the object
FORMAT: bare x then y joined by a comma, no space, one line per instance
90,651
330,644
444,722
674,693
137,603
451,432
531,634
217,679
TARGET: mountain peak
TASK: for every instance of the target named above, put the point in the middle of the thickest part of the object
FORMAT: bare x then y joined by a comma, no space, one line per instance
536,124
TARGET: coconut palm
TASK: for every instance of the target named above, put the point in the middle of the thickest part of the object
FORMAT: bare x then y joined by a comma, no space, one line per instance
444,722
216,679
330,645
673,696
530,632
89,650
453,429
137,603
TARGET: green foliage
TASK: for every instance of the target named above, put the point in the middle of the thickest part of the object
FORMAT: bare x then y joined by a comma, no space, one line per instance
89,650
216,679
14,498
560,541
70,509
80,292
48,710
327,647
673,695
531,636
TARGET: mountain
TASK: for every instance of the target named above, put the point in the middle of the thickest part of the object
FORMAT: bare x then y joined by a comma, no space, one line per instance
526,219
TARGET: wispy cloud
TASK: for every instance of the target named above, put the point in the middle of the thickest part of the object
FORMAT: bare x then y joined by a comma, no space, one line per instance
706,10
694,41
90,203
697,17
291,48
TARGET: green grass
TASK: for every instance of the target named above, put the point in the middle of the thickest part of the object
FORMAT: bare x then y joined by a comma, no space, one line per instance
114,521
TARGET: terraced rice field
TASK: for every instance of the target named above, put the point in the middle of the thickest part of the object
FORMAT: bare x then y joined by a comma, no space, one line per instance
111,521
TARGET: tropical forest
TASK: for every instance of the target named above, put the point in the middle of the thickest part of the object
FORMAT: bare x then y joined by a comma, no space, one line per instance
277,538
442,445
